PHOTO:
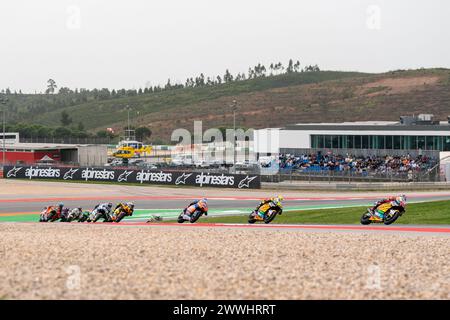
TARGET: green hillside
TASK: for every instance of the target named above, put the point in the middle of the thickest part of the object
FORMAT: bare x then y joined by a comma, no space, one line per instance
262,102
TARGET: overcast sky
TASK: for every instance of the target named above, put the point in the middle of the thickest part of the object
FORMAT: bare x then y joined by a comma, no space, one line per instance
134,43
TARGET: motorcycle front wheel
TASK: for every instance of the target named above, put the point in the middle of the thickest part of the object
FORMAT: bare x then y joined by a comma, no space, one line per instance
96,217
251,218
180,218
365,219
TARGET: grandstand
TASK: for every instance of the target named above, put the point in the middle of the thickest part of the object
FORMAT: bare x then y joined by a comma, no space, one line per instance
408,148
410,134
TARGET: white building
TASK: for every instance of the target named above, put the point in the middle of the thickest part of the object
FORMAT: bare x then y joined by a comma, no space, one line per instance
412,134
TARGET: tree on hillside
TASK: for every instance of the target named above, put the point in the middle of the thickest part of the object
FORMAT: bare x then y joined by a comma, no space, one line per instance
105,134
290,67
51,86
143,133
62,132
297,66
271,68
228,77
168,85
66,120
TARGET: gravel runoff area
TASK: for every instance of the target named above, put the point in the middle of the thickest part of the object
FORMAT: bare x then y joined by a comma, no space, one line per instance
57,261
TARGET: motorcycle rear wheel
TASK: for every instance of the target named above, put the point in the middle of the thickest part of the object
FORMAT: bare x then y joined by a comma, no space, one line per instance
120,217
391,219
270,218
195,216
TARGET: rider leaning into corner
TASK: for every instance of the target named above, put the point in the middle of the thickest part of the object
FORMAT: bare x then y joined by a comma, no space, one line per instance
58,209
379,208
196,205
104,208
127,207
272,202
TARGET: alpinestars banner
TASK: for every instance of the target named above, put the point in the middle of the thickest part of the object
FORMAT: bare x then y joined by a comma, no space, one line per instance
199,179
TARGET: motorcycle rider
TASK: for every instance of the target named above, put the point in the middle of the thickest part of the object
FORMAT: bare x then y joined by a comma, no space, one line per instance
104,208
74,213
127,207
393,200
64,214
195,205
84,216
58,209
272,202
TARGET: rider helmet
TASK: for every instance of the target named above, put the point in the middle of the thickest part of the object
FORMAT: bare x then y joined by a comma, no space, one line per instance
130,205
401,200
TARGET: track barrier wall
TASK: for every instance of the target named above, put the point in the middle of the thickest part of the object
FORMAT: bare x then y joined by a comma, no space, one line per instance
157,177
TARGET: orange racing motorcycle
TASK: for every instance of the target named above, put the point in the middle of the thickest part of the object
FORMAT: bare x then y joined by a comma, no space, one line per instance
200,208
390,212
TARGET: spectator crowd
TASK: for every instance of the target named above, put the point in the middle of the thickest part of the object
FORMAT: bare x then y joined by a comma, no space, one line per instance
357,164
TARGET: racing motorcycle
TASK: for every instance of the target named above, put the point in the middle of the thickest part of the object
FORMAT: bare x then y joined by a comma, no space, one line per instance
194,216
64,214
98,214
119,214
84,216
74,215
271,210
390,211
49,214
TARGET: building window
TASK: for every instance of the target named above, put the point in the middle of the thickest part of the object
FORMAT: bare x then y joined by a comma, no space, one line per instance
328,142
365,142
398,142
421,142
381,142
438,143
388,142
446,141
413,143
335,142
350,142
357,142
429,143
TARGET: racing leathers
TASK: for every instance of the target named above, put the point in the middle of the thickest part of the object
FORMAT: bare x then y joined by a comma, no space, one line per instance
57,210
103,208
375,209
265,204
128,208
381,206
196,205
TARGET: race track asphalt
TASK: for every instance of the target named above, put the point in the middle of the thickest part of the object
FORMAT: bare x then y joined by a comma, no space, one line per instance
32,196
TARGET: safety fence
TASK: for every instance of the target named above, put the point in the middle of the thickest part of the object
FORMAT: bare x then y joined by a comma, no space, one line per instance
433,175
